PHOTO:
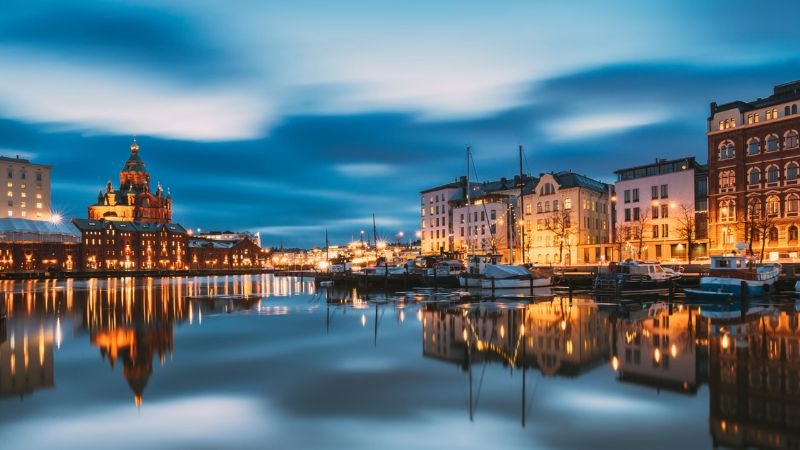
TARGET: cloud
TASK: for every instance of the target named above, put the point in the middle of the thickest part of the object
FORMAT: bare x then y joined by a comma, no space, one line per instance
584,126
364,170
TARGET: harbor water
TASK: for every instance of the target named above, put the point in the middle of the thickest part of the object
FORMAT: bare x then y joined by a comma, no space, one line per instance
257,361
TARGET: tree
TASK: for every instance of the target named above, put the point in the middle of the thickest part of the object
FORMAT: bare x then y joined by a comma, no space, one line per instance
560,224
687,227
764,222
620,237
640,226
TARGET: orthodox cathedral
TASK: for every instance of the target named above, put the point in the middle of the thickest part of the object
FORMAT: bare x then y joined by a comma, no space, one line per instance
133,201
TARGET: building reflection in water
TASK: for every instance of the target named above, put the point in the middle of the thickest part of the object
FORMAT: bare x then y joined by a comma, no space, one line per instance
663,347
556,337
131,321
754,381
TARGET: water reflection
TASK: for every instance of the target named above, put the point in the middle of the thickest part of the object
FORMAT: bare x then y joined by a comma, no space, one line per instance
557,361
130,321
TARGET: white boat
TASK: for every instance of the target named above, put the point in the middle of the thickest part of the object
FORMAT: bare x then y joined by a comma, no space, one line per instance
504,276
476,266
735,276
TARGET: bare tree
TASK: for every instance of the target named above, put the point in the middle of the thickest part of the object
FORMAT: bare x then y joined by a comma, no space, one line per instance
620,237
560,224
764,222
687,227
640,227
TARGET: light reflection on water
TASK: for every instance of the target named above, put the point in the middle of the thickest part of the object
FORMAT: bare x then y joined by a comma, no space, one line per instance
243,360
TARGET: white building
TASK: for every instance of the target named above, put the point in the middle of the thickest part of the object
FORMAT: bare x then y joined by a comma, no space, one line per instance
436,214
27,189
566,220
650,200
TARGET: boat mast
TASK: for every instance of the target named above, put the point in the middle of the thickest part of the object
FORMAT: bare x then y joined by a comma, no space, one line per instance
374,232
522,203
327,253
467,186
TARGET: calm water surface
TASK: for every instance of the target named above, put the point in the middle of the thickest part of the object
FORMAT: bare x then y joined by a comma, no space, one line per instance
189,363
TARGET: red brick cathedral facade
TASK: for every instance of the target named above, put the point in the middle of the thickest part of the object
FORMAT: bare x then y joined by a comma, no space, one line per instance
133,201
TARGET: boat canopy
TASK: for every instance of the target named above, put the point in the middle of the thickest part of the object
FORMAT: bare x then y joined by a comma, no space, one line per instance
501,271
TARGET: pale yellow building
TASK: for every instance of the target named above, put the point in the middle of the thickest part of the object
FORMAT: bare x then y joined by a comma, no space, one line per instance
27,189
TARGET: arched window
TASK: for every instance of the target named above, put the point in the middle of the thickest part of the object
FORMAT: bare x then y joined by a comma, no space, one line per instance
727,210
793,233
548,189
792,204
772,143
792,170
555,205
754,176
791,139
773,172
773,234
727,150
753,146
755,236
773,206
753,208
786,110
727,180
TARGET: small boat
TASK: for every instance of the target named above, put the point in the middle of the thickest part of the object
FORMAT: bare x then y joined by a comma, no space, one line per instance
476,266
505,276
632,275
736,276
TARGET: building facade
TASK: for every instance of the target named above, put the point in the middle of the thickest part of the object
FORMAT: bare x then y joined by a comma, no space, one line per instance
658,211
566,220
206,253
133,200
436,214
115,245
27,189
754,174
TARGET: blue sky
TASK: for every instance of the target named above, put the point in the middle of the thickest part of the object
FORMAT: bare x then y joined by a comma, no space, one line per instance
292,117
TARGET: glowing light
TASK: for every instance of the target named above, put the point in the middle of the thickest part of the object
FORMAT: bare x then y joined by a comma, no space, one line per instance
522,330
363,320
55,218
726,342
464,334
615,363
657,356
419,315
59,335
563,325
502,331
402,315
673,350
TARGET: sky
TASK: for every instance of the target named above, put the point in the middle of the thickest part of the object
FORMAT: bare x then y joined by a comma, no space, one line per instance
292,118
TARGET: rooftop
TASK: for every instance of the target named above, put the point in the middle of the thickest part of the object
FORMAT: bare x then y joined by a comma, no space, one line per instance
16,229
659,167
781,93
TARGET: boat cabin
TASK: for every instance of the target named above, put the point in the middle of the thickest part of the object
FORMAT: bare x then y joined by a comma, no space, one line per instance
476,264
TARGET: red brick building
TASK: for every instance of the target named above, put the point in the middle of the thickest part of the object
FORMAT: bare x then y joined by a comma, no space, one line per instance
36,245
754,173
224,254
114,245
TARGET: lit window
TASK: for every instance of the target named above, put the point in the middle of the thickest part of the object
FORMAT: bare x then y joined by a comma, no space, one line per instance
23,213
23,204
10,213
39,196
38,205
721,126
10,194
749,118
756,118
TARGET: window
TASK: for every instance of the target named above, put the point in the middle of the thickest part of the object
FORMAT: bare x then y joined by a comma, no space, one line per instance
547,206
786,110
754,176
753,208
792,171
568,203
493,214
22,174
727,180
38,176
654,192
721,126
664,211
772,143
773,206
727,150
539,207
756,118
10,203
636,213
727,210
773,234
665,230
528,208
794,109
749,118
655,213
791,139
772,174
664,191
627,196
792,233
753,146
792,204
655,231
627,214
636,195
772,114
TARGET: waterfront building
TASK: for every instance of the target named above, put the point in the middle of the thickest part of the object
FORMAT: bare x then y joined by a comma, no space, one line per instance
567,219
206,253
35,245
27,189
230,236
658,211
484,224
133,200
115,245
754,174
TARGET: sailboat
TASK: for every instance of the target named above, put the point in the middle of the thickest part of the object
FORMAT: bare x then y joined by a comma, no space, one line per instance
487,272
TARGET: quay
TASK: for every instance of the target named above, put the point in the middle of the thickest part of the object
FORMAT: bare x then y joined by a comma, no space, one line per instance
35,275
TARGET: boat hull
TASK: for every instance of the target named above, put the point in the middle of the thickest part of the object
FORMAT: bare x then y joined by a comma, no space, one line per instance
514,283
737,287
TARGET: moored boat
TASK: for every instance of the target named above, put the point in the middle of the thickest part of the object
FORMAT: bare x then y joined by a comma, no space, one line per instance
632,275
736,276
